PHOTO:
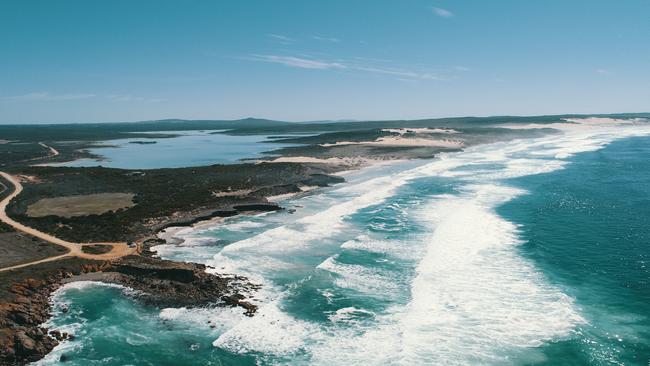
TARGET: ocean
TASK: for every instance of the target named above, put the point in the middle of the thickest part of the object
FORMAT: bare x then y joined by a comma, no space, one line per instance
527,252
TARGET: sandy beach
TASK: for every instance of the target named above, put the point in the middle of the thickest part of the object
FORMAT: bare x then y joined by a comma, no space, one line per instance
402,131
347,161
399,141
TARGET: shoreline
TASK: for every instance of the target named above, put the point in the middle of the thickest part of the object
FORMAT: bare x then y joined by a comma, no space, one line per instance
24,316
260,201
28,339
130,271
167,233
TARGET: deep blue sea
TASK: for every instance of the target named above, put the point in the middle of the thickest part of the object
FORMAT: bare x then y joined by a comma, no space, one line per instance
528,252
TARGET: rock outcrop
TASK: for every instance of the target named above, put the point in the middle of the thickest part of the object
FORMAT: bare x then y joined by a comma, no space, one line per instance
24,339
166,283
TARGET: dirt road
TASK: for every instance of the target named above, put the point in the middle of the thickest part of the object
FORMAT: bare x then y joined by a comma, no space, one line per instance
74,249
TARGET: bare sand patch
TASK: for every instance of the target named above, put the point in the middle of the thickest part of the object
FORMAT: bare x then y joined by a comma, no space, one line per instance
575,124
343,161
399,141
28,179
402,131
303,190
80,205
403,141
237,193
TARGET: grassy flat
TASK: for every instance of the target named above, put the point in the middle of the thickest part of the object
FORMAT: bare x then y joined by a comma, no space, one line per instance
80,205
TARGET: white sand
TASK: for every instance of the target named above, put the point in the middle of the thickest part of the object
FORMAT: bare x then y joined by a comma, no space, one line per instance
400,141
279,197
170,233
241,192
340,143
601,121
347,161
402,131
574,123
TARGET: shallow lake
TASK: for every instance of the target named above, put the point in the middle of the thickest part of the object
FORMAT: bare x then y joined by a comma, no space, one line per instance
190,148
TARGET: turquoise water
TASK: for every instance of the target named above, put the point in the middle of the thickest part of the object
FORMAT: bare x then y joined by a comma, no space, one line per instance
588,228
526,252
190,148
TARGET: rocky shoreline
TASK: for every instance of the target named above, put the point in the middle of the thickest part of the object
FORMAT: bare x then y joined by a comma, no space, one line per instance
161,283
26,293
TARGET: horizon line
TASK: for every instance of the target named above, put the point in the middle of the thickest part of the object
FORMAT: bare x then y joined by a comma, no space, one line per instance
338,120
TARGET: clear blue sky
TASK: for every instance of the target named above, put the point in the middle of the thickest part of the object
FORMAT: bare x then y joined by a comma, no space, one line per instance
125,60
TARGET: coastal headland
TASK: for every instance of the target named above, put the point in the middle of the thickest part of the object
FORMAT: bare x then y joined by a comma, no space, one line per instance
62,224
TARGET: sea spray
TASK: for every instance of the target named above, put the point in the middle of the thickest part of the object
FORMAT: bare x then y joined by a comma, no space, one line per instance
415,269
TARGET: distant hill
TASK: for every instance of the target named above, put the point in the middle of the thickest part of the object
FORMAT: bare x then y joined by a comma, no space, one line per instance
117,130
185,124
319,127
253,126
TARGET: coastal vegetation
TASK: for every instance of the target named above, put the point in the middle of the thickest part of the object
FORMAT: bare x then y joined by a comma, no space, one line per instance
161,197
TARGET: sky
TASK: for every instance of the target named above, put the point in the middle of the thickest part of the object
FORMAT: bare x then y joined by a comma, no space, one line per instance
296,60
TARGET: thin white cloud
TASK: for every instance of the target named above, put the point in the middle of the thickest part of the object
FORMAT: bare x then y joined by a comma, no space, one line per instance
311,63
414,75
46,97
462,68
299,62
281,38
603,72
326,39
444,13
131,98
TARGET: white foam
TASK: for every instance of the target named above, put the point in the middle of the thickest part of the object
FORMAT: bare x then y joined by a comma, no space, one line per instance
371,281
486,299
270,331
350,315
213,320
273,248
474,299
398,249
244,225
82,285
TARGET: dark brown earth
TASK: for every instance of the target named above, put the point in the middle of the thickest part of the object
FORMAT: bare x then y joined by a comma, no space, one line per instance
17,248
96,249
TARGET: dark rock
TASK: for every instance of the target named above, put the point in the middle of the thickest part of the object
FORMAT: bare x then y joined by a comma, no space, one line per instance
58,335
157,282
258,207
24,342
250,308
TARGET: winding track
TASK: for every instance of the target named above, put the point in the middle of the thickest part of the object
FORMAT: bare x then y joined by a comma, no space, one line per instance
53,151
118,250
